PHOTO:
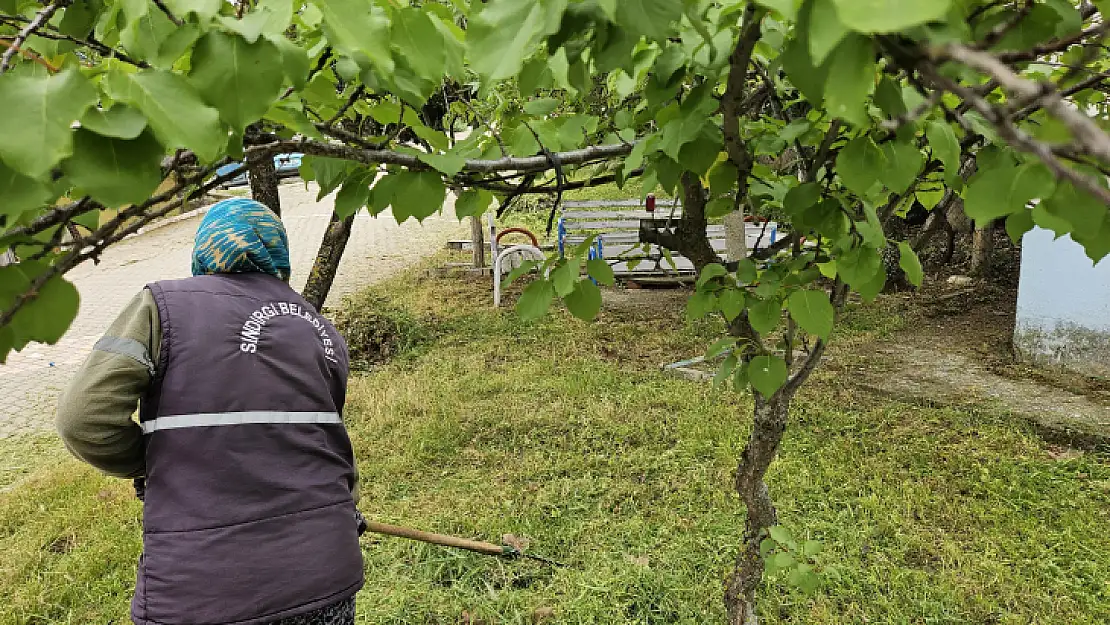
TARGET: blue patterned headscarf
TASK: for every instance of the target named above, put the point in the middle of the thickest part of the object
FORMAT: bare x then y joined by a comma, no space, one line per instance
241,236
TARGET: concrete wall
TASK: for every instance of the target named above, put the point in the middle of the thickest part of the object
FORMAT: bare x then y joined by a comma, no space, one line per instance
1063,310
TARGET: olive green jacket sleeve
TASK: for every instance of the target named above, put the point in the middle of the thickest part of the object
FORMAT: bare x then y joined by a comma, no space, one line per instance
95,412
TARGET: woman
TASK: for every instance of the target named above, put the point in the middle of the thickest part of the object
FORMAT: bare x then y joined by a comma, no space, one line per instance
240,456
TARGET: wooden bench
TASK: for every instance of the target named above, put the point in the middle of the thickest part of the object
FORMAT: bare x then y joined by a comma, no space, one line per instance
617,229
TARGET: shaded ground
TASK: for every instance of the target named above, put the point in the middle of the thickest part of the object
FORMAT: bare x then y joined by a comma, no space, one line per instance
954,349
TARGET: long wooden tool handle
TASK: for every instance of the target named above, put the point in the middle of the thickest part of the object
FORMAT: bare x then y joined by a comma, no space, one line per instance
437,539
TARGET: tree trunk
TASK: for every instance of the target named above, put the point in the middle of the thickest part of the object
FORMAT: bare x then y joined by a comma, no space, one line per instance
769,423
736,235
477,242
689,238
327,260
264,183
982,248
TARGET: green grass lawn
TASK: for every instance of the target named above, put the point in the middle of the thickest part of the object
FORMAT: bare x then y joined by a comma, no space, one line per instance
567,434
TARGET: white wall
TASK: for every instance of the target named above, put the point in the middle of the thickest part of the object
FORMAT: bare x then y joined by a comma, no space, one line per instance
1063,311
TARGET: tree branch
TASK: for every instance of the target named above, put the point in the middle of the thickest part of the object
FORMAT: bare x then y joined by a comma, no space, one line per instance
41,18
1086,132
389,157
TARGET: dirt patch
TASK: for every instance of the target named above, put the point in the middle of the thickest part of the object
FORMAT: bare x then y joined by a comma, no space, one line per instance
956,349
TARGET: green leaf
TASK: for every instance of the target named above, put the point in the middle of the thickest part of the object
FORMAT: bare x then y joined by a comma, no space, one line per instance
903,162
115,172
871,289
584,301
888,95
358,29
812,311
173,109
206,9
767,375
788,8
1017,224
888,16
386,112
722,177
945,147
418,40
421,194
541,107
382,193
47,317
929,199
720,346
278,14
765,314
601,271
505,32
719,207
239,79
858,165
859,266
826,31
355,192
801,197
851,79
711,271
812,547
34,141
144,36
294,61
804,578
655,19
535,75
120,121
523,268
746,271
807,76
1081,210
732,303
472,203
20,193
728,366
910,263
566,276
1005,190
700,304
535,300
447,164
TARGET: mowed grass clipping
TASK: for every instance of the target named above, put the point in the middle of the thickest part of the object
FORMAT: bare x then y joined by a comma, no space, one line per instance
566,434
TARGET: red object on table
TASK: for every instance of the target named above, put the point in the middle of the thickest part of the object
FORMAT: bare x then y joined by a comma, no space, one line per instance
649,205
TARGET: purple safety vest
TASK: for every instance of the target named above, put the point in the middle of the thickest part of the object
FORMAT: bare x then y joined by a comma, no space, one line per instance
248,516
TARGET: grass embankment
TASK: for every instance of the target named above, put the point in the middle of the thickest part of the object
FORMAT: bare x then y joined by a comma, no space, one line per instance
565,433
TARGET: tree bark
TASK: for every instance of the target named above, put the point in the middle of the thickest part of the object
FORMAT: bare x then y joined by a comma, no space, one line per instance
768,426
736,235
477,242
689,238
982,248
327,260
264,183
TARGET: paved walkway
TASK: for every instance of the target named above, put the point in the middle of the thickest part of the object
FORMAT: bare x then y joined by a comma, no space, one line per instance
32,379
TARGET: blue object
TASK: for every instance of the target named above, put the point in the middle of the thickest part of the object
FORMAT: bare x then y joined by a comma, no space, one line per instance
285,164
562,236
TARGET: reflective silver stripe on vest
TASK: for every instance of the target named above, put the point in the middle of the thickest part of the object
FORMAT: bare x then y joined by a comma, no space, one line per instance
126,347
237,418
